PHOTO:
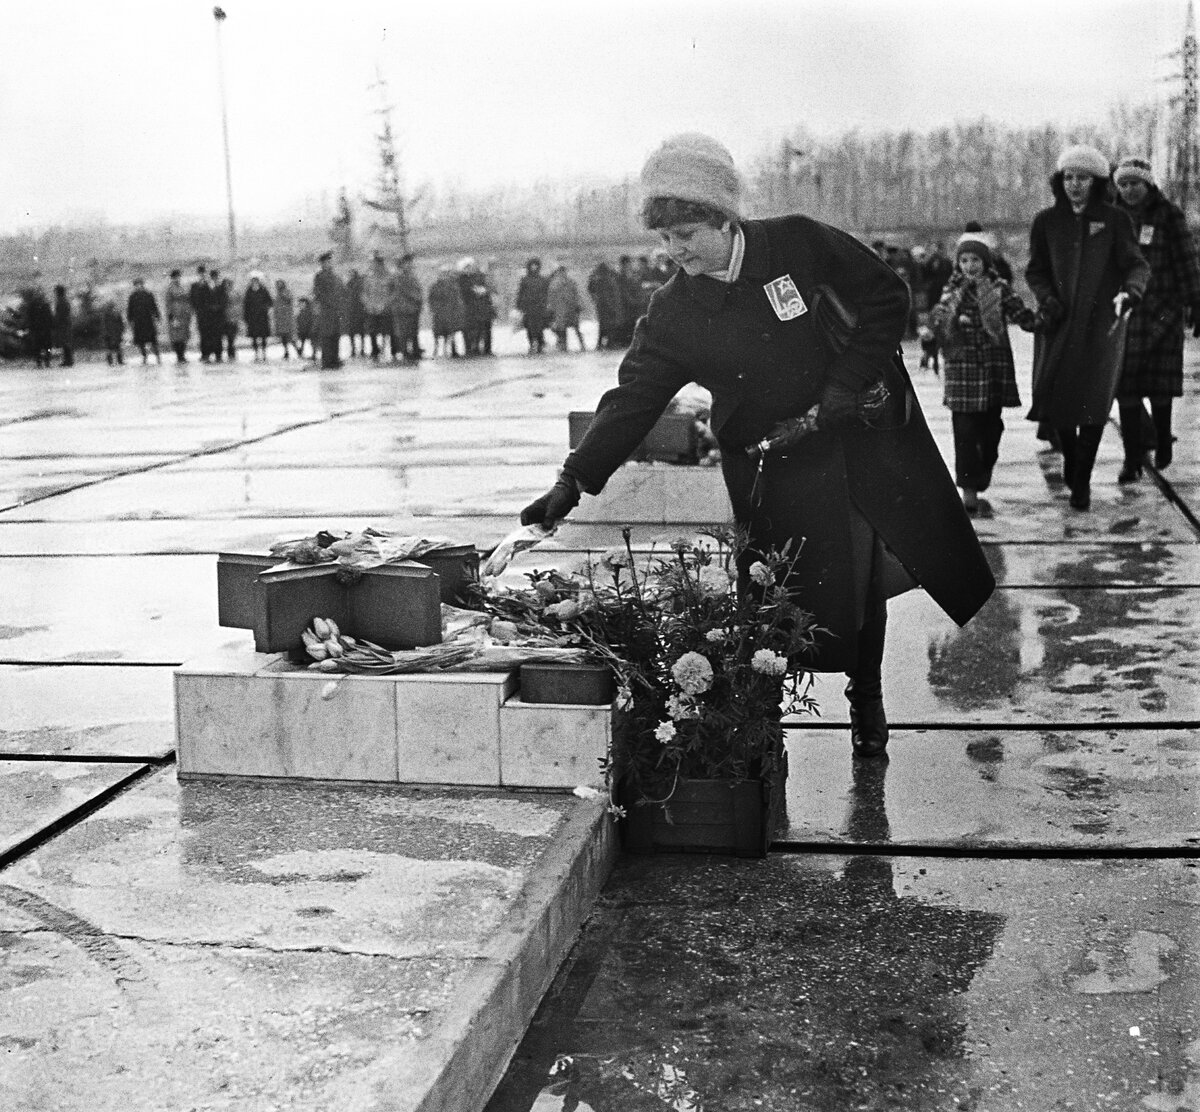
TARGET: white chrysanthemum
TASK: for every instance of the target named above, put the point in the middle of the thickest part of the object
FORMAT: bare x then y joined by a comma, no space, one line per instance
761,574
769,663
712,579
693,673
665,731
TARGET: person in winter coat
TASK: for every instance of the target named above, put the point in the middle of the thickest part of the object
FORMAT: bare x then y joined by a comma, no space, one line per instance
64,328
256,311
233,319
356,313
329,298
631,292
144,316
378,317
1153,366
604,288
306,325
39,319
478,311
285,317
200,294
793,327
564,306
532,292
215,309
406,298
446,308
112,331
1086,271
179,316
971,322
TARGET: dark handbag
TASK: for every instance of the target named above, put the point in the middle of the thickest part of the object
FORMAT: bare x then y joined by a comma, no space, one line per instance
883,405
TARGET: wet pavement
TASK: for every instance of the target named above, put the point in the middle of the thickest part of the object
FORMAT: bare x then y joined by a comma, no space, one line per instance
1003,917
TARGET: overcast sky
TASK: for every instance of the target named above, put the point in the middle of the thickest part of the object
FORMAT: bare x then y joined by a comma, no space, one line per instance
112,108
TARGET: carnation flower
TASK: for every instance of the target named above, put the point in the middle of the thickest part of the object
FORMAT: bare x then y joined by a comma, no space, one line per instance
712,580
504,631
761,574
665,731
615,558
769,663
693,673
545,588
717,636
564,611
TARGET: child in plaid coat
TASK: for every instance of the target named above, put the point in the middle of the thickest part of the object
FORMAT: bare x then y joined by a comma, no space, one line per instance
971,321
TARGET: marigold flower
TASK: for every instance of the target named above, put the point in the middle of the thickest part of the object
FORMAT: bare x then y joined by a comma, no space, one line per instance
712,580
665,731
693,673
681,707
717,636
615,558
769,663
761,574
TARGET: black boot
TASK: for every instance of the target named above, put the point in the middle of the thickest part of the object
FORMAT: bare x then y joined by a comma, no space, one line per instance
1067,445
1086,446
1131,441
1163,452
868,722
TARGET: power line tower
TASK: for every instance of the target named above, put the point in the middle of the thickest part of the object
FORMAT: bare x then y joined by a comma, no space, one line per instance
389,189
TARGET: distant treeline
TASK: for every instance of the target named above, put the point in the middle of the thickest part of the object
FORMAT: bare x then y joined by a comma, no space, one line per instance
918,185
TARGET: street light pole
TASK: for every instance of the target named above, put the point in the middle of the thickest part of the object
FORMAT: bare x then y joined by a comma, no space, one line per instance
219,18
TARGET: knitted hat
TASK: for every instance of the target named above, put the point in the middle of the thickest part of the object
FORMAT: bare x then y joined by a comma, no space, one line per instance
977,243
1136,168
1085,158
694,167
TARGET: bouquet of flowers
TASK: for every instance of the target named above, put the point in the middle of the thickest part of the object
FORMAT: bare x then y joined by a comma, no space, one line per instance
705,669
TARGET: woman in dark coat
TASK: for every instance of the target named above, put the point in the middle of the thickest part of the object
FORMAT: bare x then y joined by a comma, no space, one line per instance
1086,272
532,291
1153,365
64,328
871,510
143,313
604,288
256,311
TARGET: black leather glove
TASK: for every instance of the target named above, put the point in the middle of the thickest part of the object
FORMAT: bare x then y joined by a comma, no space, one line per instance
556,503
838,408
1050,312
786,433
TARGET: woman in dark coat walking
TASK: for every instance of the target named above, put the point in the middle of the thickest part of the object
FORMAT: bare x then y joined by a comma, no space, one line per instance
793,326
1153,365
1086,272
532,291
143,313
256,311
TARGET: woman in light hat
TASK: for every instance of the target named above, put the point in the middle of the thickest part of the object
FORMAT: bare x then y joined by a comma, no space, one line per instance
793,326
1087,273
1153,366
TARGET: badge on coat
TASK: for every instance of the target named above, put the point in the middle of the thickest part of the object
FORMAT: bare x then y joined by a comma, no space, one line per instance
785,298
1095,227
1146,235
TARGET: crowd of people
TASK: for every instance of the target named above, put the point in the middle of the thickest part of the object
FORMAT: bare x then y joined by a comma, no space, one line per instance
376,312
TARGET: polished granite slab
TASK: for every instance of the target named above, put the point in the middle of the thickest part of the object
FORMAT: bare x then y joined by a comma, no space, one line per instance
827,983
1052,656
134,609
36,794
999,788
83,711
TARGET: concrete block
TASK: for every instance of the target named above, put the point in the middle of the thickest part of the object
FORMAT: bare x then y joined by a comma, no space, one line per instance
659,493
448,727
552,745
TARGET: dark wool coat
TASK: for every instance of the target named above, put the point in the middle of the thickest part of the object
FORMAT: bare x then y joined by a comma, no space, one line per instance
979,373
329,302
1153,365
1083,262
406,297
64,331
532,291
143,314
446,306
256,311
759,370
604,287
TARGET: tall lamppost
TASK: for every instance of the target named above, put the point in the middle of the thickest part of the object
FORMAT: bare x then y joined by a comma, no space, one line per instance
219,18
